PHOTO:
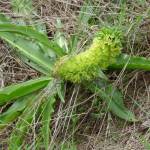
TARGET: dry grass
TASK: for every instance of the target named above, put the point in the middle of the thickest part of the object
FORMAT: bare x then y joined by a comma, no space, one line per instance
106,132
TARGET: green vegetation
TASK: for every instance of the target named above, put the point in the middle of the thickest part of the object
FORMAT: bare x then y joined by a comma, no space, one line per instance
57,63
85,66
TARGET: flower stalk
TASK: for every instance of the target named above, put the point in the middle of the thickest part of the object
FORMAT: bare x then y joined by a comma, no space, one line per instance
104,53
85,66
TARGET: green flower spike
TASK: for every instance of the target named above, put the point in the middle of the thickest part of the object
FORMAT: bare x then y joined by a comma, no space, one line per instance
85,66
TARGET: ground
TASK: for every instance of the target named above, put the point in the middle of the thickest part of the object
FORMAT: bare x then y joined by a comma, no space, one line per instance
106,132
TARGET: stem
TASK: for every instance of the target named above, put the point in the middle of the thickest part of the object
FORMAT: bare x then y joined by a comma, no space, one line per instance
131,63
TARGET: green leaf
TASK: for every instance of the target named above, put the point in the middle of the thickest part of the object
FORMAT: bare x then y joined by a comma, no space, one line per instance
29,50
22,7
24,123
69,145
115,94
114,101
27,118
102,75
46,119
32,64
7,94
28,13
21,129
61,92
73,42
33,54
4,19
25,8
145,142
59,36
131,63
86,14
32,34
15,110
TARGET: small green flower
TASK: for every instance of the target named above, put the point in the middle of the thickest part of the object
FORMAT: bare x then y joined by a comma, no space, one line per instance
103,51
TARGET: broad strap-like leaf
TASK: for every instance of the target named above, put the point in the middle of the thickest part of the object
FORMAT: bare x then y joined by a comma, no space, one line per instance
114,101
27,117
15,110
28,49
24,123
9,93
21,129
131,63
30,52
32,34
46,119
